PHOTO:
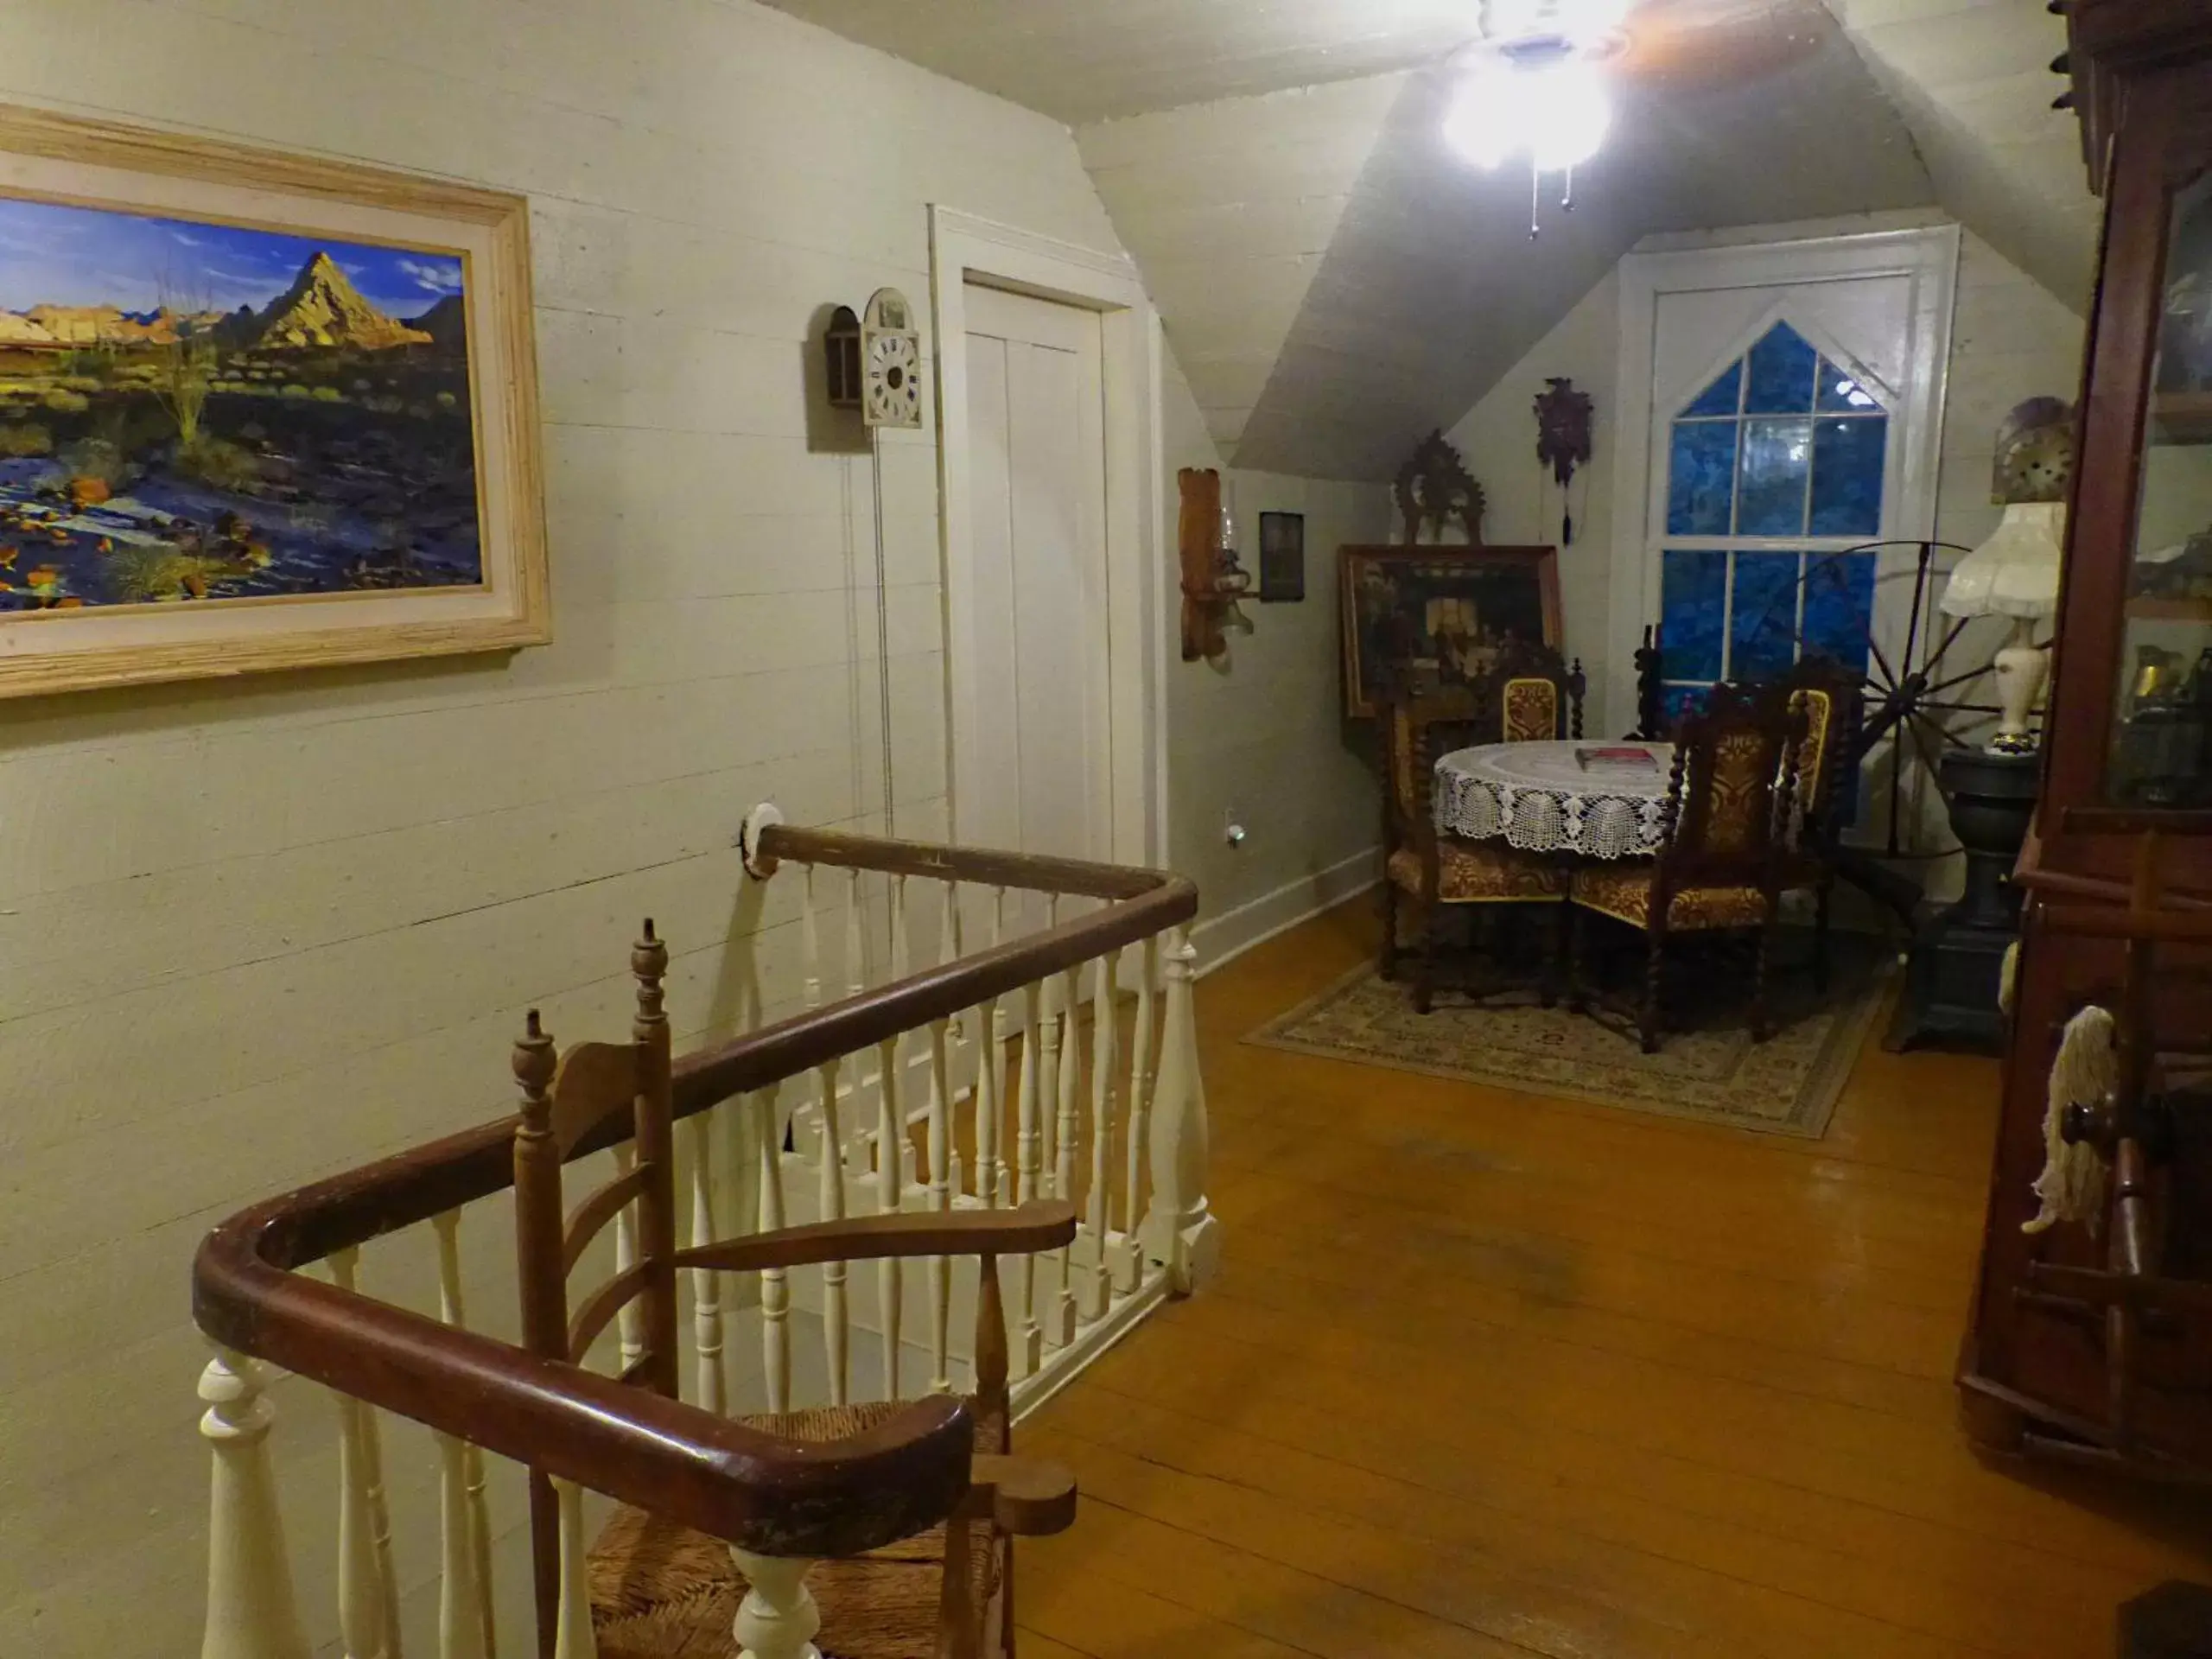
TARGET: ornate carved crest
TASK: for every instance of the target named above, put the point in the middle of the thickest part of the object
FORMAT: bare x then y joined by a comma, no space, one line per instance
1435,488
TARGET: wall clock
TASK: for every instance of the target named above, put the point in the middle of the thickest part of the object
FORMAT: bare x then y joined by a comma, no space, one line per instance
891,362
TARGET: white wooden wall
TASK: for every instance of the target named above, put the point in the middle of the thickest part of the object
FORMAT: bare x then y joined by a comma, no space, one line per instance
258,933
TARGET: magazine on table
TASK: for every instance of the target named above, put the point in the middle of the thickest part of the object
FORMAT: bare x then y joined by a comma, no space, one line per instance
1622,759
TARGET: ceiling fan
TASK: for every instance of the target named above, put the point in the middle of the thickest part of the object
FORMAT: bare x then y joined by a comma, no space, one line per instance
1537,81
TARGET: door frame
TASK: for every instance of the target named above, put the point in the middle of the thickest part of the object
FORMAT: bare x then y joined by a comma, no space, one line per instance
1929,256
966,249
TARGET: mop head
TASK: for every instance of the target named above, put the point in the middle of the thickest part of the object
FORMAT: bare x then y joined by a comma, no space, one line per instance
2072,1184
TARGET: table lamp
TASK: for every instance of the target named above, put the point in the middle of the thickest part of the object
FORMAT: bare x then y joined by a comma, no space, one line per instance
2015,573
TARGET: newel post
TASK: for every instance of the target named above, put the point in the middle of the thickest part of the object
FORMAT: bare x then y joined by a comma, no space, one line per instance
1178,1227
251,1610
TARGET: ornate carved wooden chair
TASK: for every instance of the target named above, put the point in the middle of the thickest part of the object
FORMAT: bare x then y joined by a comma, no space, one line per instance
1424,870
657,1590
1727,853
1539,697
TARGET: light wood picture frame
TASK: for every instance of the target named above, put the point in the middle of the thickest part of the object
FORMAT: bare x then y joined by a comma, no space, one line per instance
258,413
1443,611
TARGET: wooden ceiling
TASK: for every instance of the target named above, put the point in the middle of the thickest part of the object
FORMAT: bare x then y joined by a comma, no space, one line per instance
1334,284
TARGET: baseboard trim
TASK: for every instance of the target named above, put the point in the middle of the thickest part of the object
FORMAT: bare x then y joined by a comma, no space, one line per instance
1227,936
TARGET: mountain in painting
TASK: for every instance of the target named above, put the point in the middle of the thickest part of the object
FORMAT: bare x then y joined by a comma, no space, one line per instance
323,308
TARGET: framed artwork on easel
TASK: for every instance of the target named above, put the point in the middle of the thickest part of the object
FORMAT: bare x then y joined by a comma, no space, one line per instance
1442,613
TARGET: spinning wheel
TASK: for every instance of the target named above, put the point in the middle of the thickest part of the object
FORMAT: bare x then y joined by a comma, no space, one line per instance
1915,682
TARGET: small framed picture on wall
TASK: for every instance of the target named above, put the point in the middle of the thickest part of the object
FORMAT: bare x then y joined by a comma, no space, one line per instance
1282,557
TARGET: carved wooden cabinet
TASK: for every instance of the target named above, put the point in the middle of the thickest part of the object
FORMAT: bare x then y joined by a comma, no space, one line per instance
2127,747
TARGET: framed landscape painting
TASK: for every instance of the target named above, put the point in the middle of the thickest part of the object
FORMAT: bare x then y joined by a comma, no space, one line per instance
256,412
1443,612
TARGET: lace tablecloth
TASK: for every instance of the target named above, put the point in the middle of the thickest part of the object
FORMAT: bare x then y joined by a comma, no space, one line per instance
1541,797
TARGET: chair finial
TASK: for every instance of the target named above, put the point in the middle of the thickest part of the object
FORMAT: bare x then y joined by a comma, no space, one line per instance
534,1060
648,964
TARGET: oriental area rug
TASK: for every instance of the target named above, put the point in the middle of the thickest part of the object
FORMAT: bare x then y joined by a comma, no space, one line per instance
1712,1072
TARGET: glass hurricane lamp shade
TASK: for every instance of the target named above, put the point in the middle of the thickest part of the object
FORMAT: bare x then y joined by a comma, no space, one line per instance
2015,574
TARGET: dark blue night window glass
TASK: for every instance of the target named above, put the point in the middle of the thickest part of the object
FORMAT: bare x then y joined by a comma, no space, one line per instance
1840,394
1675,701
1692,612
1781,367
1771,488
1763,622
1839,608
1847,475
1722,397
1700,478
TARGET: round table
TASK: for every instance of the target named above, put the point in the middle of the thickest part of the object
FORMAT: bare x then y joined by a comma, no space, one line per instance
1541,797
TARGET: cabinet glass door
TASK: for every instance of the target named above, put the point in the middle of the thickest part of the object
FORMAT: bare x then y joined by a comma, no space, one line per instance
2162,749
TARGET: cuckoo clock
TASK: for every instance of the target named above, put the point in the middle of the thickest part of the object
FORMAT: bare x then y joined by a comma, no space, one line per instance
891,362
1563,417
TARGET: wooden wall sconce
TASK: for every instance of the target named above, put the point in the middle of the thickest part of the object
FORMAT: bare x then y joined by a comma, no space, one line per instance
1213,580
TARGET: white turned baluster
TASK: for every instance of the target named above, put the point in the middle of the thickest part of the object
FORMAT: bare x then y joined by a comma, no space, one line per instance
706,1288
466,1629
1059,1309
855,982
948,952
368,1597
1179,1228
810,996
888,1133
573,1638
775,1285
990,1083
835,1335
1128,1252
629,1320
1098,1217
778,1618
1028,1164
251,1610
940,1266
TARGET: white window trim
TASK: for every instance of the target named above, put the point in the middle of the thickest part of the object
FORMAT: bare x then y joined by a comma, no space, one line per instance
1929,256
965,248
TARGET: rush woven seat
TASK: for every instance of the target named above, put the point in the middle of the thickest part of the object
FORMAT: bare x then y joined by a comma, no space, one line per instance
656,1589
661,1591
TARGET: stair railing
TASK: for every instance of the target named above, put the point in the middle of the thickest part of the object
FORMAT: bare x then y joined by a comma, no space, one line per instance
993,1041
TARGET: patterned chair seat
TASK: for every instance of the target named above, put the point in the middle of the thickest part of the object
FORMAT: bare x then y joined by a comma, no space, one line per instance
1623,893
1480,872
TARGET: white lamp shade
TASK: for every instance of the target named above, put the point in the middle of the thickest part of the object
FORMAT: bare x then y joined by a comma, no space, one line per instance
2015,572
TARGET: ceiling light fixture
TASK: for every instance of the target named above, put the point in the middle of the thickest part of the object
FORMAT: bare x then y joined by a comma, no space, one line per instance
1532,85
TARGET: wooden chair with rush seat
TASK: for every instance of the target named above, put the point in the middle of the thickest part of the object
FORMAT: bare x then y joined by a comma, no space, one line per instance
660,1591
1727,855
1428,870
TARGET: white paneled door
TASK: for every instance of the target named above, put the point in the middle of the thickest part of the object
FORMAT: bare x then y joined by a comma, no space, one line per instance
1035,775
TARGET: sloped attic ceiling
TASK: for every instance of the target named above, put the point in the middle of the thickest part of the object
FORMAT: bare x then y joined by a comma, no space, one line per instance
1335,283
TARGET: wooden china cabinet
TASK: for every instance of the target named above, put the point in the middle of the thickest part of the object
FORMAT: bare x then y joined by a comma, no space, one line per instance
2052,1363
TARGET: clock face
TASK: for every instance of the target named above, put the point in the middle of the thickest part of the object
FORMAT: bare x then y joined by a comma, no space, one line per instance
893,376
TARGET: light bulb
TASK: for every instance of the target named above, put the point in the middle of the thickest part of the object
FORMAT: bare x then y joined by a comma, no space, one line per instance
1556,111
1487,120
1567,112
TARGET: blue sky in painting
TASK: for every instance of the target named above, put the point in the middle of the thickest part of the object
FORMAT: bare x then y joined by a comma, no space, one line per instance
53,255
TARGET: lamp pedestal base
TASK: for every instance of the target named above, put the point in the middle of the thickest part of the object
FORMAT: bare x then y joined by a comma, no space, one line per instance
1958,957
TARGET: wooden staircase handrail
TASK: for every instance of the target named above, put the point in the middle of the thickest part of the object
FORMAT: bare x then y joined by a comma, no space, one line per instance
769,1495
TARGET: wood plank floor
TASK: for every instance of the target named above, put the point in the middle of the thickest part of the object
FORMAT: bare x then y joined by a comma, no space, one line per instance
1489,1374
